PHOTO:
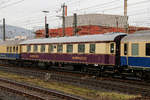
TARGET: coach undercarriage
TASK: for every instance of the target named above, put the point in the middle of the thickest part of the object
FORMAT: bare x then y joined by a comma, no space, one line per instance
91,69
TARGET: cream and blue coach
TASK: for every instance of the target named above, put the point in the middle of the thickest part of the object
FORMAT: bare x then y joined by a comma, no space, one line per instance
10,50
135,50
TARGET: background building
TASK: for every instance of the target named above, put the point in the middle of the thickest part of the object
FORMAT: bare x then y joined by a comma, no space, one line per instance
93,24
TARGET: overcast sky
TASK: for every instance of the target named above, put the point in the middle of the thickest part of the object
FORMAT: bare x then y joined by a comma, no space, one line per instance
28,13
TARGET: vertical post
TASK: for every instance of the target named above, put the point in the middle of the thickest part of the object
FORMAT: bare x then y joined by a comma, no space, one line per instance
46,25
117,24
63,19
125,14
75,24
66,10
4,29
46,28
125,7
47,31
127,26
45,21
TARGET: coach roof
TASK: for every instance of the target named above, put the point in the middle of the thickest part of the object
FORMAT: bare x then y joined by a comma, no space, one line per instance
10,42
73,39
138,36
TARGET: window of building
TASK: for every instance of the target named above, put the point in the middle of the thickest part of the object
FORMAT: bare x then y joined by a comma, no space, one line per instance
10,49
125,49
28,48
7,49
147,49
42,48
92,48
135,49
81,48
14,49
59,48
17,49
69,48
35,48
112,48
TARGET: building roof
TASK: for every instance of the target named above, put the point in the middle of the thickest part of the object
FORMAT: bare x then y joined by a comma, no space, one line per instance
137,36
74,39
98,19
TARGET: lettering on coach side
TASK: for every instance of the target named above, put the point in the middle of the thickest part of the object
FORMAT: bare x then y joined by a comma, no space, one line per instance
79,58
34,56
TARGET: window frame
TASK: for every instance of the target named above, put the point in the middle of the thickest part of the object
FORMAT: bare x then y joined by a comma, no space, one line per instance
50,48
82,50
35,48
112,50
8,49
133,53
41,49
67,50
14,49
146,49
90,50
59,48
17,49
28,48
125,48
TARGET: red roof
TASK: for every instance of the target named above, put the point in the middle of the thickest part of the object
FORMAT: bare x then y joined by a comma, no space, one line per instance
86,30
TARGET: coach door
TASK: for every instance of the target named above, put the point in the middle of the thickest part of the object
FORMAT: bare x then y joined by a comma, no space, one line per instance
117,56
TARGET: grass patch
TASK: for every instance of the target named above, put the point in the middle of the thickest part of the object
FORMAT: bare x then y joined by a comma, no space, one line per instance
83,92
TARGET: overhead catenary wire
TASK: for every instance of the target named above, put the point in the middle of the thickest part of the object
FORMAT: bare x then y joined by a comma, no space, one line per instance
110,6
119,7
11,4
101,4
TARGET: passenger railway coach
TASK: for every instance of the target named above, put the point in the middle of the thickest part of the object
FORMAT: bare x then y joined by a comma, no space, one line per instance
136,50
88,50
135,54
10,50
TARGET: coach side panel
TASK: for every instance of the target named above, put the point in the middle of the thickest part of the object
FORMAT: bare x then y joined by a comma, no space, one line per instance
10,52
88,53
135,54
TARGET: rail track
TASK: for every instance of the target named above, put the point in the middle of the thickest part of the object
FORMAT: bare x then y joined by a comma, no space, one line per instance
119,85
33,92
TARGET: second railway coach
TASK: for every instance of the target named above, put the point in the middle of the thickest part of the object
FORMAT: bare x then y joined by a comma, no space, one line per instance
93,50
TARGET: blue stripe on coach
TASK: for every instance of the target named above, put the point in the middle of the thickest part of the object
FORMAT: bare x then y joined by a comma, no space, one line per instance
136,61
9,56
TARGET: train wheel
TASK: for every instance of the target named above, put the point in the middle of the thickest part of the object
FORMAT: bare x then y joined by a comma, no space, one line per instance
84,69
146,76
139,74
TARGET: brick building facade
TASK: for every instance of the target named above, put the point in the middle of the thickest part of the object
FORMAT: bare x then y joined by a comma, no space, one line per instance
92,24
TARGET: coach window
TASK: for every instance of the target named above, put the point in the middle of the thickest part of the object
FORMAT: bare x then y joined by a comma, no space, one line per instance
135,49
50,48
17,49
147,49
92,48
14,49
112,48
35,49
59,48
125,49
10,49
7,49
28,48
81,48
42,48
69,48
